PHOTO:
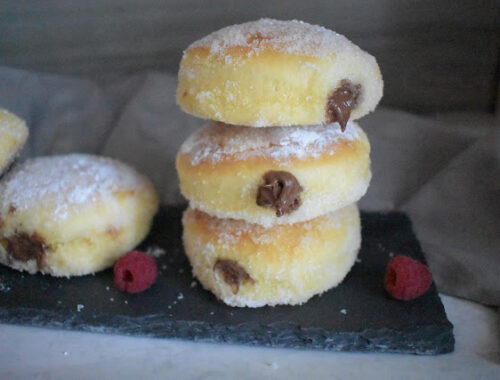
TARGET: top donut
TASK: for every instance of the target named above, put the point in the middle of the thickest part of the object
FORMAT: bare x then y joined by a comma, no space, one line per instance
278,73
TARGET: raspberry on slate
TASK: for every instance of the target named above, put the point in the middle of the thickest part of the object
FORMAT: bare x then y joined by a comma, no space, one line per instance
135,272
406,279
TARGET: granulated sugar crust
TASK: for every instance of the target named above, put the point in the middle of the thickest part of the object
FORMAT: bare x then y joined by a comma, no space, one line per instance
65,181
291,37
218,141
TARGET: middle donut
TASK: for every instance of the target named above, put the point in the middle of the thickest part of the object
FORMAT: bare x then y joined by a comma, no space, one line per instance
278,175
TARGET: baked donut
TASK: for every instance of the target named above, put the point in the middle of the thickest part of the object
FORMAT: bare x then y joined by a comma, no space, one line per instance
276,175
278,73
246,264
13,135
72,215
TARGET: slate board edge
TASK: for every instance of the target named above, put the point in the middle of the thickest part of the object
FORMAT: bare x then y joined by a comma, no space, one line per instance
426,340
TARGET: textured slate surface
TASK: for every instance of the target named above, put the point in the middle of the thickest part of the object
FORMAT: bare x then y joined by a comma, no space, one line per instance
356,316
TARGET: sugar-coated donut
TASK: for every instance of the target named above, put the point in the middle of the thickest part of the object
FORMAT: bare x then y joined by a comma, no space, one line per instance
72,215
236,172
13,135
246,264
277,73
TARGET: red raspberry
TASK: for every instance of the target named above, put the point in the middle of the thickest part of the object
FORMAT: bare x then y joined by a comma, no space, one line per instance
406,279
135,272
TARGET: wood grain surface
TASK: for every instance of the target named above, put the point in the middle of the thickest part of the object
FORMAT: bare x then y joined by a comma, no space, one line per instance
434,55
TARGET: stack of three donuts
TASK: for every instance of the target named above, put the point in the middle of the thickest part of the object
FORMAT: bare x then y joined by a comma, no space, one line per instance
273,216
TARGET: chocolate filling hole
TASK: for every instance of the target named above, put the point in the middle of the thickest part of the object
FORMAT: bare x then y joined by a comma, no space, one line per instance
25,247
341,102
232,273
281,191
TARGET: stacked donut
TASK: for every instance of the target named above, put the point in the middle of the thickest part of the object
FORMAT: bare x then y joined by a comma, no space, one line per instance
273,179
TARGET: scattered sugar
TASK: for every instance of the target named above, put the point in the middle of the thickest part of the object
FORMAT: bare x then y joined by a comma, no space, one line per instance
181,271
65,353
4,288
155,251
63,182
107,288
217,142
112,299
202,95
164,267
311,65
391,254
358,260
343,311
193,284
180,296
79,307
125,302
291,37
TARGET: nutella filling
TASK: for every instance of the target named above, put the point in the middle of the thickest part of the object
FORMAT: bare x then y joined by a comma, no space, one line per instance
341,102
232,273
280,191
24,247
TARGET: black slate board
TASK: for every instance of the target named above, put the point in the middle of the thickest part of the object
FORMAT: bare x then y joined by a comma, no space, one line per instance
356,316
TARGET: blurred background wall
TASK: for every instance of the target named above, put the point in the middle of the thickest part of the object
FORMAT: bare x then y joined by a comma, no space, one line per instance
435,56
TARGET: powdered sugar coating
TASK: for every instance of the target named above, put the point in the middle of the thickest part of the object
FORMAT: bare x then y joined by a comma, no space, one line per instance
291,37
217,141
63,182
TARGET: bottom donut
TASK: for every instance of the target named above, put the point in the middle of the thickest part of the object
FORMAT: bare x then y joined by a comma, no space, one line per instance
245,264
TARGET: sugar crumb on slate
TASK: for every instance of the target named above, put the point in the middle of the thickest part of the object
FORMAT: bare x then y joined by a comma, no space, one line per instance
4,288
155,251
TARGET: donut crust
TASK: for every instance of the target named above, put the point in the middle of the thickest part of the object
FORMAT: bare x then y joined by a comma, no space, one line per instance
13,136
260,78
285,264
336,175
63,238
